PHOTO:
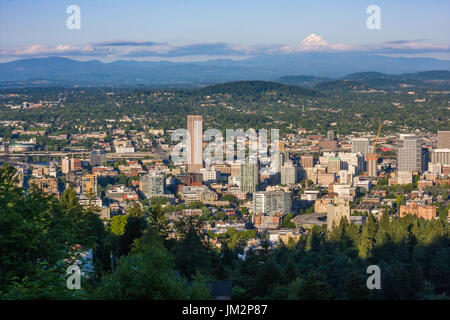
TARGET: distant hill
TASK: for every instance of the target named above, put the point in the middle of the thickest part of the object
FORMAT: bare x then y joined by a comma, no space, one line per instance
302,81
427,75
373,80
340,85
253,88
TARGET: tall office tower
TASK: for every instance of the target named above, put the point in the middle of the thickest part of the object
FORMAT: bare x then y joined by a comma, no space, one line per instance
372,160
152,184
330,135
360,145
249,177
307,161
195,128
334,165
97,157
271,202
443,140
409,153
65,165
89,185
288,173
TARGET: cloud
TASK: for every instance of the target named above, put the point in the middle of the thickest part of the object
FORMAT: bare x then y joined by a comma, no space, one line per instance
149,49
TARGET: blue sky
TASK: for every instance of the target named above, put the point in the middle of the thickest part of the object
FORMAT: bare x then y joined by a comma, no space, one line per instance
172,29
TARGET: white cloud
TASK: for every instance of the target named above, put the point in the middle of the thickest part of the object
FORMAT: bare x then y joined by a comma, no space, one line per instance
148,49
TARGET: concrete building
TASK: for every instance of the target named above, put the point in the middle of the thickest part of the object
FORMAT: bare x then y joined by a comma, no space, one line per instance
409,153
443,138
46,184
334,165
361,145
337,210
404,177
441,156
330,135
152,184
324,179
89,185
195,154
354,162
197,193
307,161
249,177
97,157
272,202
208,174
372,163
425,212
75,164
65,165
288,173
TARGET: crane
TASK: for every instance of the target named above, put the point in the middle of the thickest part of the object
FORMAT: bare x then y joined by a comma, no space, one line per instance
376,139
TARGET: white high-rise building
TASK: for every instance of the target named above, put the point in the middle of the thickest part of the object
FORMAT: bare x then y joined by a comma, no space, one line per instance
195,128
409,153
288,173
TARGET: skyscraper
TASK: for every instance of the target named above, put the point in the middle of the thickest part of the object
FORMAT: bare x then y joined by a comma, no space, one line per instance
443,140
360,145
65,165
288,173
409,153
334,165
195,154
372,160
336,211
249,177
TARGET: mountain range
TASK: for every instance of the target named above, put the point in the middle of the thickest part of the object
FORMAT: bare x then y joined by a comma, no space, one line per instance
287,68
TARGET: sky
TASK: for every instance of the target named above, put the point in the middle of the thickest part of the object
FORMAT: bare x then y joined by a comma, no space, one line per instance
204,29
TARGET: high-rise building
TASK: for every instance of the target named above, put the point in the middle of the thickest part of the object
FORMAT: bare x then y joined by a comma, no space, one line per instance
272,202
288,173
409,153
334,165
97,157
372,160
307,161
249,177
65,165
195,154
336,211
443,140
89,185
152,184
361,145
